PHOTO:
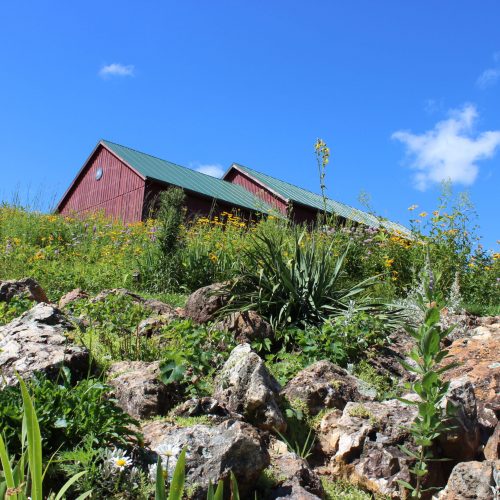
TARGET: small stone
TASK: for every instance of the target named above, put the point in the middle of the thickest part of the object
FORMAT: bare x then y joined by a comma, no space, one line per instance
492,448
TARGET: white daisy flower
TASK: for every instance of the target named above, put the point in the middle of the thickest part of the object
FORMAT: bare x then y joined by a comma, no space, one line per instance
119,460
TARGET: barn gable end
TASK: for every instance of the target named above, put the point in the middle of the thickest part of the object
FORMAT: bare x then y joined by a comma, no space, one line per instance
118,193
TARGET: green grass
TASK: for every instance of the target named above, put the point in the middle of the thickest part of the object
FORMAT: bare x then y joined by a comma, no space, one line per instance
337,489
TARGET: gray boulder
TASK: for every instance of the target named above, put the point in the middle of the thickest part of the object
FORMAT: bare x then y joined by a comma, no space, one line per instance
203,304
212,452
27,287
37,341
323,385
139,390
473,481
245,386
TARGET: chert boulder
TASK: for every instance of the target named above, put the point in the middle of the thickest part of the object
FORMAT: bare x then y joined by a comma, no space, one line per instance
138,389
245,386
323,385
38,342
26,287
72,296
203,304
364,443
477,358
296,479
212,452
246,326
462,441
473,481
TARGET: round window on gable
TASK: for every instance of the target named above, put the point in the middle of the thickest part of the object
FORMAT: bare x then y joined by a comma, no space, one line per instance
98,174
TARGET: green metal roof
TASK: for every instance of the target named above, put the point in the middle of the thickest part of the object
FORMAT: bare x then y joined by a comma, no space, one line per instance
156,169
308,198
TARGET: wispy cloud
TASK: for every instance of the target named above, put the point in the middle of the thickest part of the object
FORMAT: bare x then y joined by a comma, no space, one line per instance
215,170
490,76
116,69
449,151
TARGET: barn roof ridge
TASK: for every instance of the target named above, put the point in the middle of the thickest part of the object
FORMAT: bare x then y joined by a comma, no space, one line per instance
309,198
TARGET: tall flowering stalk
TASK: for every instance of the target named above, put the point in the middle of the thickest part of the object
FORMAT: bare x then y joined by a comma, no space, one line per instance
322,152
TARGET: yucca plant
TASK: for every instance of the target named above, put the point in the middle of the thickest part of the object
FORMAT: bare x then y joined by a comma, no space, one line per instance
25,479
295,284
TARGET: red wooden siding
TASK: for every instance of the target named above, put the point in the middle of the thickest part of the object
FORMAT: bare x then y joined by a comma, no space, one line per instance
299,213
119,193
259,190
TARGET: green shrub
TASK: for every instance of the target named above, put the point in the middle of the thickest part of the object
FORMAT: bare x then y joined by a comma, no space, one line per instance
14,308
67,415
193,355
161,262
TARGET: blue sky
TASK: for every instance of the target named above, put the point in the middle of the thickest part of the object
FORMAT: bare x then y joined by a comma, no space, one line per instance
404,93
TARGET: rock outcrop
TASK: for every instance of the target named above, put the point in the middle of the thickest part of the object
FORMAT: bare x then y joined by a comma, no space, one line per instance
38,341
245,386
246,326
138,389
203,304
473,481
213,452
26,287
323,385
478,360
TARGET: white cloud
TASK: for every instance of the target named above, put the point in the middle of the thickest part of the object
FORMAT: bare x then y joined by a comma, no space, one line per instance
214,170
451,150
116,69
488,78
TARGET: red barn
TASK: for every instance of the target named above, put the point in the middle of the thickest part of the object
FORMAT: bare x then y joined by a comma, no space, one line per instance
124,183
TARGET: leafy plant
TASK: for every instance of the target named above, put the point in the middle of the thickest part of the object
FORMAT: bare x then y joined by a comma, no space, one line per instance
428,356
160,265
14,308
299,436
25,480
112,333
193,355
66,415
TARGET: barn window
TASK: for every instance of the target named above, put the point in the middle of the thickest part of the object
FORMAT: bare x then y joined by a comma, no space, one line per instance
98,174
